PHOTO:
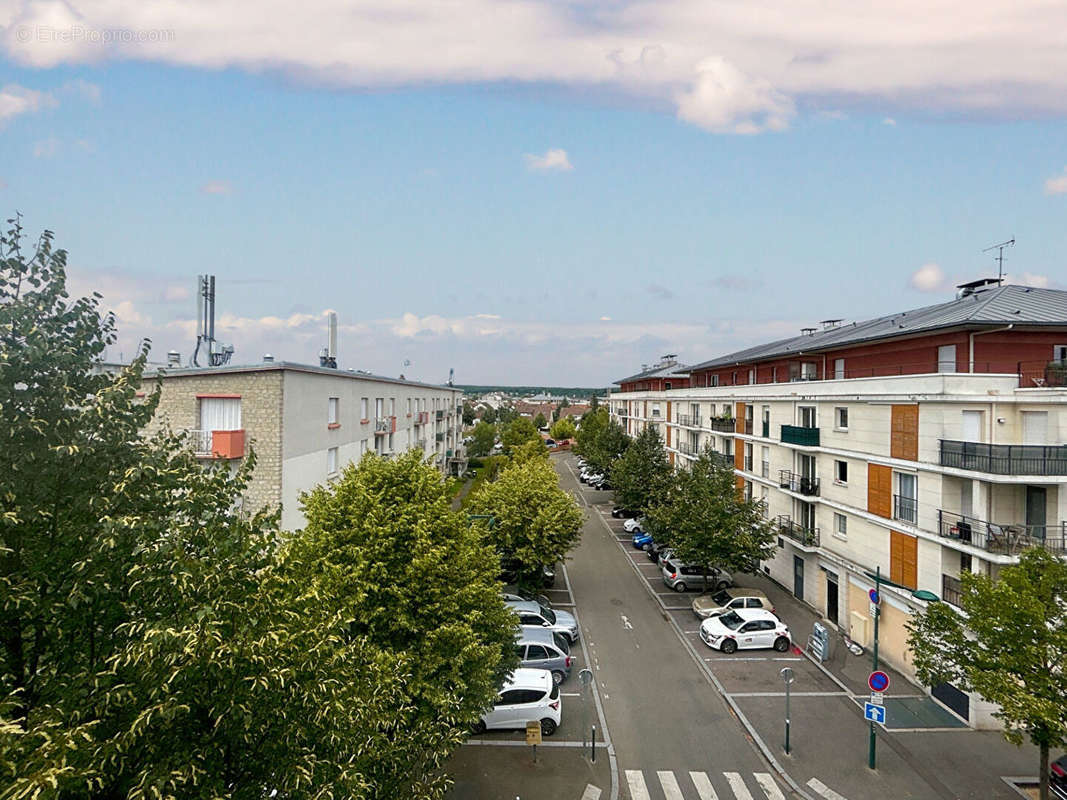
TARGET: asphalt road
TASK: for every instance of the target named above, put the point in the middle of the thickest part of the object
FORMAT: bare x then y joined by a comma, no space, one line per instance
674,737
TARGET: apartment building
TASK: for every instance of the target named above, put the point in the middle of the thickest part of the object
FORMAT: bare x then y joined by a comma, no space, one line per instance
924,443
649,388
306,422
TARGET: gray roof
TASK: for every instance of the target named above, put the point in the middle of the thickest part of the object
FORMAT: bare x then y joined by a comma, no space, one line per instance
267,366
1002,305
660,370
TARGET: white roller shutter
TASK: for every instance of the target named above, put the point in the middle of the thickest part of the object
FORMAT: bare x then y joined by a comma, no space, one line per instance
220,413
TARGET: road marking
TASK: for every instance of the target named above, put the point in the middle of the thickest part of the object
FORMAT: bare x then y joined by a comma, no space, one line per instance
677,608
670,785
703,784
591,792
824,790
522,743
626,623
769,787
636,781
793,694
571,694
738,785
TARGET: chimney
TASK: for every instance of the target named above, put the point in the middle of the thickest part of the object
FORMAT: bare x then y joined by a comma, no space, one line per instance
268,358
174,358
328,356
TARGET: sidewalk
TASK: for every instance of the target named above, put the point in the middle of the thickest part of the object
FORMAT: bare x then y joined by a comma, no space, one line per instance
829,736
485,772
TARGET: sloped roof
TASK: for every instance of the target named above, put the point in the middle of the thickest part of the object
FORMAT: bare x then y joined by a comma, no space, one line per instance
660,370
1001,305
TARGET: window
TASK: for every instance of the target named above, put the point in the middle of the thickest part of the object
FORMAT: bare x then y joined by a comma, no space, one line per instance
946,358
774,374
331,461
905,503
220,413
839,368
409,406
379,407
392,406
841,418
840,526
763,499
390,442
666,384
331,411
363,403
841,471
806,416
965,563
752,376
1059,352
765,459
536,651
362,446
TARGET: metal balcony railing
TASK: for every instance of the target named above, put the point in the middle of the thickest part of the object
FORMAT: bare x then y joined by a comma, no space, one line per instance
1004,538
787,479
200,441
1042,374
809,537
746,427
689,420
722,424
950,590
688,448
439,437
725,459
385,425
906,509
1005,459
795,434
439,414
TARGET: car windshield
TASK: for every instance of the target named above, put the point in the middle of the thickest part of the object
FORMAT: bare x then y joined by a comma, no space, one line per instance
549,614
721,599
731,620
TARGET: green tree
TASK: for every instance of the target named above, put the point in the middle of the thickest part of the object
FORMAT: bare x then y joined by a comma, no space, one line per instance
489,415
483,437
536,522
506,414
540,421
1011,648
518,431
384,550
589,429
468,413
532,448
563,428
706,521
611,443
642,474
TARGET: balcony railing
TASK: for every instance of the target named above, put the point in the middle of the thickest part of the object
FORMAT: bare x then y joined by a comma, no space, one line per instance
745,427
217,444
1005,459
422,418
905,509
951,590
795,434
1039,374
385,425
725,459
688,448
809,537
689,420
439,437
722,424
790,480
1004,538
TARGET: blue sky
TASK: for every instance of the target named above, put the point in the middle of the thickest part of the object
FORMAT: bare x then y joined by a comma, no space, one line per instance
558,231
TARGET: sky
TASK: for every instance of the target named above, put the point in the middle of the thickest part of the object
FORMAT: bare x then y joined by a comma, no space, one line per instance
530,192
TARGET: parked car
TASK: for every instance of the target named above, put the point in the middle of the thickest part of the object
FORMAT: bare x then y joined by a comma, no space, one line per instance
550,442
619,512
711,605
602,483
642,540
657,551
530,695
513,592
745,629
1057,778
682,577
540,648
531,613
509,574
634,524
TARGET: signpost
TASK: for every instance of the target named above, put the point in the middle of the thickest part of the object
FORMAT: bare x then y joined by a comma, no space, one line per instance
787,676
875,681
533,736
874,713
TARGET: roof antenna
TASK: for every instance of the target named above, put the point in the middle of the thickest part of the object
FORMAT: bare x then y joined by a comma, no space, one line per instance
1000,257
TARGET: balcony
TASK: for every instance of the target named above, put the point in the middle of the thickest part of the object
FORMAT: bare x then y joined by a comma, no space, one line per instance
688,448
1005,459
439,414
422,418
689,420
383,425
439,437
723,459
1003,538
951,590
722,424
798,483
805,437
217,444
906,509
1042,374
808,537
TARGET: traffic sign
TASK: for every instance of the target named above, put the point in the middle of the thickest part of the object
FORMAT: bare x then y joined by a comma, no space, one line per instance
533,732
874,610
875,597
878,681
878,698
874,713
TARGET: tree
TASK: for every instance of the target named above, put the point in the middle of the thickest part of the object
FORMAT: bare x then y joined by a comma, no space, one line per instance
530,449
540,421
519,430
468,413
1011,648
589,429
594,404
642,474
706,521
483,437
611,442
563,428
506,414
489,415
535,521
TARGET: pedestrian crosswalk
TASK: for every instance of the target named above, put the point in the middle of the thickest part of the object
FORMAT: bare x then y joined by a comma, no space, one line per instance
666,785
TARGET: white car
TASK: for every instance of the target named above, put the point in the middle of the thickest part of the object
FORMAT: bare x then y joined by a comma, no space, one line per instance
636,524
745,629
529,696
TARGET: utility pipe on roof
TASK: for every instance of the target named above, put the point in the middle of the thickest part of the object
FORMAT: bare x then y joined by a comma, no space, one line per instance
979,333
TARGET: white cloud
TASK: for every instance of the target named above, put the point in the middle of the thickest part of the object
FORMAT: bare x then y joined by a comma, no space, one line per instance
1030,279
605,319
217,187
889,121
929,278
1057,184
554,159
16,100
46,148
723,65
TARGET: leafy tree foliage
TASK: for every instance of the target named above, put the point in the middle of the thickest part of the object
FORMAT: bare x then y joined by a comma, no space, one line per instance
594,404
1011,648
384,550
600,440
530,449
506,414
536,522
589,429
483,437
518,431
563,428
489,415
468,413
642,475
540,421
706,521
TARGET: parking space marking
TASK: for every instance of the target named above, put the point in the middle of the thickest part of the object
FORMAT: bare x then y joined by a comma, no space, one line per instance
703,785
824,790
677,608
522,743
636,781
738,785
791,694
669,783
769,787
591,792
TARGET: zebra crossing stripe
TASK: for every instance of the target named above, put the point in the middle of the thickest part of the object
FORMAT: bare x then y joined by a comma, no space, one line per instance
591,792
703,784
636,781
769,787
670,785
736,782
824,790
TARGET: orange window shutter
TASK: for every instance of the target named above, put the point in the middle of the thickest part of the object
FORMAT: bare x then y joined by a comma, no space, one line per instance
880,490
739,418
904,436
739,455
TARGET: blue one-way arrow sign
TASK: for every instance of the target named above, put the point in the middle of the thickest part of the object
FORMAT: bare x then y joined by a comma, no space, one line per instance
874,713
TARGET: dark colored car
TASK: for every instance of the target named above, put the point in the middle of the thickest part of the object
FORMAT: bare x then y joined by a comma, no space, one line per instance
655,551
509,573
1057,778
619,512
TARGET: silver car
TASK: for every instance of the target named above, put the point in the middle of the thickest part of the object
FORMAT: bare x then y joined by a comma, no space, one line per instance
539,648
681,577
531,613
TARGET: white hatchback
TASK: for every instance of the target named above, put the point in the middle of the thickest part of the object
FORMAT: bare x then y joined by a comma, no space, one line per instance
529,696
634,524
745,629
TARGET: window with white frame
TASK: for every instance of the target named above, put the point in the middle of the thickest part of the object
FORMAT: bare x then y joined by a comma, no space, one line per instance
841,418
379,407
765,461
331,461
714,380
392,406
839,368
390,442
363,407
362,446
332,410
806,416
841,471
409,406
840,526
906,500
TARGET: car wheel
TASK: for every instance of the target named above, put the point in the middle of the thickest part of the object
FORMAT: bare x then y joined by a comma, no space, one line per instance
729,646
557,677
721,585
781,644
548,726
679,587
478,727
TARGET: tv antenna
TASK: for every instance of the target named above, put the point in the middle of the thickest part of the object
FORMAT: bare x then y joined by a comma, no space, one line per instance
1000,257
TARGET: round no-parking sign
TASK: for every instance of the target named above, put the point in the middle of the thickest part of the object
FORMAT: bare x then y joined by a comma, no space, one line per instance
878,681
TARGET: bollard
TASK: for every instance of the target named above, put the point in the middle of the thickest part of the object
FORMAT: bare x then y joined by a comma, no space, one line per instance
593,740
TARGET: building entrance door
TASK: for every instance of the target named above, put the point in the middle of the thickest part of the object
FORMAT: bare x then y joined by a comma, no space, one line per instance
831,597
798,577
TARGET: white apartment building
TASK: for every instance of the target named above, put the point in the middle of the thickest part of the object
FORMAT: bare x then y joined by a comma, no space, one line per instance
306,423
924,444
